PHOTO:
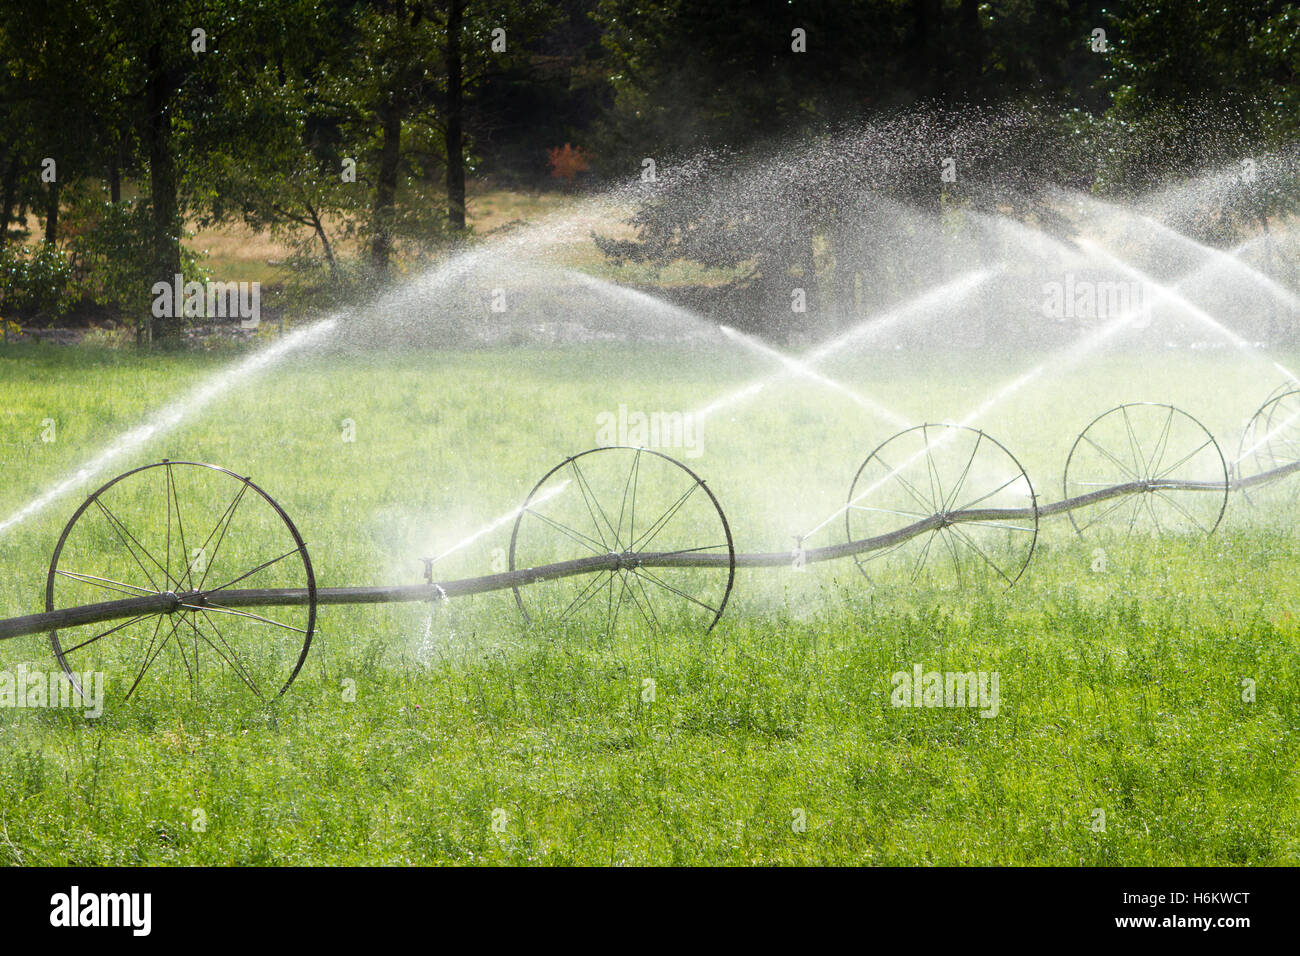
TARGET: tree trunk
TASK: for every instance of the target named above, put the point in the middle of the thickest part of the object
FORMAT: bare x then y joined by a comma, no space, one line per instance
319,228
390,151
163,186
455,121
52,214
972,50
925,41
7,200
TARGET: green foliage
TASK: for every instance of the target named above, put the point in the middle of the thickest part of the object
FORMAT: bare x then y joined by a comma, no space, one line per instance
1119,691
111,247
35,282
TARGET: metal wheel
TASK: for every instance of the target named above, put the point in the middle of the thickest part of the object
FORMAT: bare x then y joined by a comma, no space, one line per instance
1271,442
1287,386
1174,475
976,491
193,531
675,561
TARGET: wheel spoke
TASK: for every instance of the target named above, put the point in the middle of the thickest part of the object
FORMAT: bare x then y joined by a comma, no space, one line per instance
891,472
122,535
1185,513
167,479
228,518
222,609
1115,506
180,529
883,552
1137,510
1162,445
1129,473
890,511
669,554
1151,510
640,582
925,553
111,630
936,485
996,524
180,649
622,590
636,459
980,551
1182,461
663,520
1139,458
577,536
668,587
249,574
593,587
233,660
952,551
983,498
585,487
107,584
956,490
636,484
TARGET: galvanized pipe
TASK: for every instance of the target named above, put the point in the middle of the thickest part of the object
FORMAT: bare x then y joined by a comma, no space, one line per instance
167,603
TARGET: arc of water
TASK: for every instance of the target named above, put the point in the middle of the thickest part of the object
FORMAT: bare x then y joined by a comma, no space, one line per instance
1063,359
503,519
1191,308
1216,256
552,226
172,415
869,328
802,368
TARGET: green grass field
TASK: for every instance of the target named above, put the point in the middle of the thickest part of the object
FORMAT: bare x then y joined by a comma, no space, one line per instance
460,734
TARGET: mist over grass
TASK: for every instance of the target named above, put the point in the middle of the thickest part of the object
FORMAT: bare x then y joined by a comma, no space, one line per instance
1120,690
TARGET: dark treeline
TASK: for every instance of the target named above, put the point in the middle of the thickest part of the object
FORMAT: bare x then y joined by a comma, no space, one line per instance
359,123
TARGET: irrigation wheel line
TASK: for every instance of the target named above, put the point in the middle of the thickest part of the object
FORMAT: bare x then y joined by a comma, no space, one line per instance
1271,438
143,535
111,545
1170,458
589,503
946,471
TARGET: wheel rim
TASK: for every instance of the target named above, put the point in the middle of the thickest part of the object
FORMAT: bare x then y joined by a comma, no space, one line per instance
1179,472
194,530
938,471
630,502
1271,440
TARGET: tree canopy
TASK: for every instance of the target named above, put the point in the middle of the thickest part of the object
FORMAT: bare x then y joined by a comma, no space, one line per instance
125,122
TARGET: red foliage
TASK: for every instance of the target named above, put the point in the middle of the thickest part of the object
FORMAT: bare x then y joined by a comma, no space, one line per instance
567,161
